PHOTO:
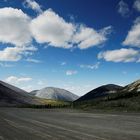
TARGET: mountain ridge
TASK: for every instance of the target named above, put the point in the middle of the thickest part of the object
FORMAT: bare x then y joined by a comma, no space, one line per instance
100,92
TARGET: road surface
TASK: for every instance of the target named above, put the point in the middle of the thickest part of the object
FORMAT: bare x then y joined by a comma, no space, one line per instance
62,124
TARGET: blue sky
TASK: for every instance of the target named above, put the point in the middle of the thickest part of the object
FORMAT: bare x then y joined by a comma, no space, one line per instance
69,44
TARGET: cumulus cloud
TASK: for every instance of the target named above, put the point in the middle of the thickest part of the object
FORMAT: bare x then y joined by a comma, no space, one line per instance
50,28
87,37
33,5
45,30
133,37
15,31
71,72
15,53
120,55
94,66
123,9
10,54
18,29
137,5
14,27
17,80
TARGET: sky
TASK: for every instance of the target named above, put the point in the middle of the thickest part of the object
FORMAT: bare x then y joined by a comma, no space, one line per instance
75,45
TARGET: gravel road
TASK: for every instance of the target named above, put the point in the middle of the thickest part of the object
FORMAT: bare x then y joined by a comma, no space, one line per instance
62,124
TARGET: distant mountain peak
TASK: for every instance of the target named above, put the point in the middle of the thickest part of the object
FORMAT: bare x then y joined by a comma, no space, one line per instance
56,94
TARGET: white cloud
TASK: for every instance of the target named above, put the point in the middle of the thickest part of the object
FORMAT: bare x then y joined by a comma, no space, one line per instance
15,30
50,28
15,53
123,9
88,37
120,55
17,80
33,60
10,54
133,37
45,30
28,88
18,29
14,27
33,5
137,5
71,72
94,66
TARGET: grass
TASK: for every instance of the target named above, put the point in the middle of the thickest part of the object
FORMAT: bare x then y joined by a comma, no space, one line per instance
47,103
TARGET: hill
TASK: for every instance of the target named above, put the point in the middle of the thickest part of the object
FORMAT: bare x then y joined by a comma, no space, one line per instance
100,92
56,94
11,95
34,92
127,98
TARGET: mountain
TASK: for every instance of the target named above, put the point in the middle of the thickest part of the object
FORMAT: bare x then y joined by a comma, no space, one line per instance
56,94
133,87
100,92
34,92
125,98
11,96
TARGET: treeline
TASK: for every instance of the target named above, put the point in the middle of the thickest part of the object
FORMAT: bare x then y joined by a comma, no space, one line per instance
118,101
49,106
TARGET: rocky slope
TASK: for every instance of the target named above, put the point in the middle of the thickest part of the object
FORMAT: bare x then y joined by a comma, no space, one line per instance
56,94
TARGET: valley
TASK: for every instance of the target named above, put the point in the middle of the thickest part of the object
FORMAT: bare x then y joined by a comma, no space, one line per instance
109,112
69,70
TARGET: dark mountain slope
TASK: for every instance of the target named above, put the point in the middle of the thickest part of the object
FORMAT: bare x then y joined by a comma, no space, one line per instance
34,92
127,98
11,95
100,92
